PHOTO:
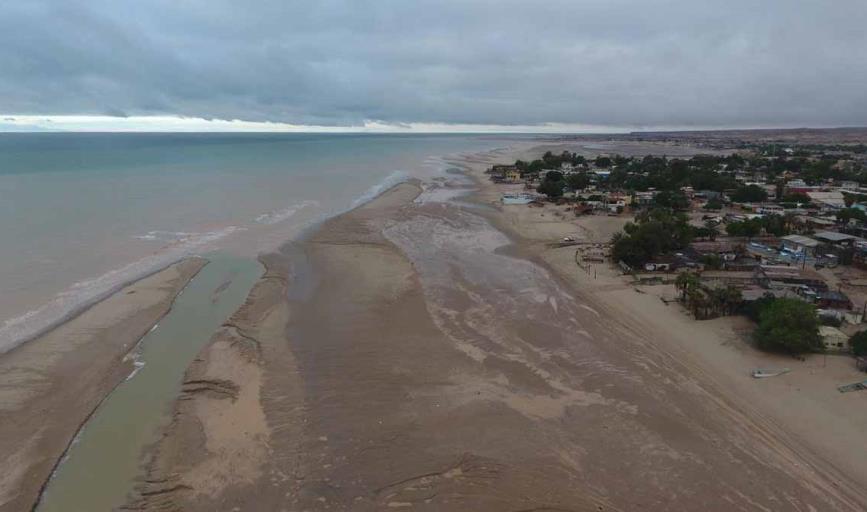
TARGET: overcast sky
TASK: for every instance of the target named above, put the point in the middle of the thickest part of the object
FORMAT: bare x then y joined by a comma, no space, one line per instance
607,63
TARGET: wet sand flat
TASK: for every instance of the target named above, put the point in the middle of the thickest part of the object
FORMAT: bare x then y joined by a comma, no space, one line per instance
433,363
50,385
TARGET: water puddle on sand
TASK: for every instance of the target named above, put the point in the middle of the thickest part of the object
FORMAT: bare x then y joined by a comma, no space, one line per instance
103,463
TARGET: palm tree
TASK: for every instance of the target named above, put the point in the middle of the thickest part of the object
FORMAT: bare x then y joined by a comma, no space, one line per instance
712,231
732,299
686,282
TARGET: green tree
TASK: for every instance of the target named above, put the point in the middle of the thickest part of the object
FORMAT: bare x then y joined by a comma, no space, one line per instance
602,161
797,197
713,203
553,176
846,214
672,199
790,325
686,282
552,189
655,232
577,181
749,194
858,342
710,227
748,228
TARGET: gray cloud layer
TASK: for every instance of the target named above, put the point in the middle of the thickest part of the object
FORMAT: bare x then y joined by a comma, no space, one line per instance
608,62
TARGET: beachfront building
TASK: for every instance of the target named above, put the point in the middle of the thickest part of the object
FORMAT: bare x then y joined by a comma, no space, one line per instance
513,175
833,339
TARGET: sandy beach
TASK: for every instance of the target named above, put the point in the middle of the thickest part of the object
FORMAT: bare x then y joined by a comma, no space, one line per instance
64,374
804,404
435,355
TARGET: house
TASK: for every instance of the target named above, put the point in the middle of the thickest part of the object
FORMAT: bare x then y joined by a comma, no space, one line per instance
800,244
708,194
724,249
833,338
815,222
644,198
827,200
726,278
754,293
513,175
849,185
830,299
835,238
798,186
859,257
498,172
517,198
782,276
770,209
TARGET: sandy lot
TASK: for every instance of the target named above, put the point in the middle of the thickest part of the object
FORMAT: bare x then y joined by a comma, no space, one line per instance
50,385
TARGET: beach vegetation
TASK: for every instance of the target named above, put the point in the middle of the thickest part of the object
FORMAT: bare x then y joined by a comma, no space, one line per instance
707,302
552,188
788,325
654,232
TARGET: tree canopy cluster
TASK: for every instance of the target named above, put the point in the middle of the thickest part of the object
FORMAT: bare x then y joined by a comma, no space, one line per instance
655,232
846,214
549,161
749,194
777,225
788,325
674,199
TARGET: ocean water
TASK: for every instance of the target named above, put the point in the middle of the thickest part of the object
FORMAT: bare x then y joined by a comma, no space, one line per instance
83,214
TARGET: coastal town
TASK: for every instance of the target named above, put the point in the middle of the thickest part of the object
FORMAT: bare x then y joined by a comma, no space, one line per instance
775,232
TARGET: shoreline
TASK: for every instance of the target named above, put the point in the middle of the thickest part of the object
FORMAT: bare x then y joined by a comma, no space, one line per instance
68,371
433,338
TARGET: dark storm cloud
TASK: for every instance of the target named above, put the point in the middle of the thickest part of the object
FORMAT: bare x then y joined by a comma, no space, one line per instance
610,62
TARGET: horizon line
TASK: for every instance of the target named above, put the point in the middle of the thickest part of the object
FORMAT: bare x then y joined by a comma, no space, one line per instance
18,123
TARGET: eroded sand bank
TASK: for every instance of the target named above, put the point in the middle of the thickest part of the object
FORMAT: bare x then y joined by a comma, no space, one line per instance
50,385
410,355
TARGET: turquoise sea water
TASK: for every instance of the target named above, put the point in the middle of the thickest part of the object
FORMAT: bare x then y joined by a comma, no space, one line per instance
82,214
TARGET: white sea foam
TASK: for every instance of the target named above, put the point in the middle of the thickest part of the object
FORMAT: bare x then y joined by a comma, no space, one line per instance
166,236
276,216
389,181
82,294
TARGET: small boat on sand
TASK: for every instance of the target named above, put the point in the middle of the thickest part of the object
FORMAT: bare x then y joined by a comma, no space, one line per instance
858,386
762,373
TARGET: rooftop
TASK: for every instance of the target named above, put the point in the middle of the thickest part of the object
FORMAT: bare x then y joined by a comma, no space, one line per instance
833,236
801,240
